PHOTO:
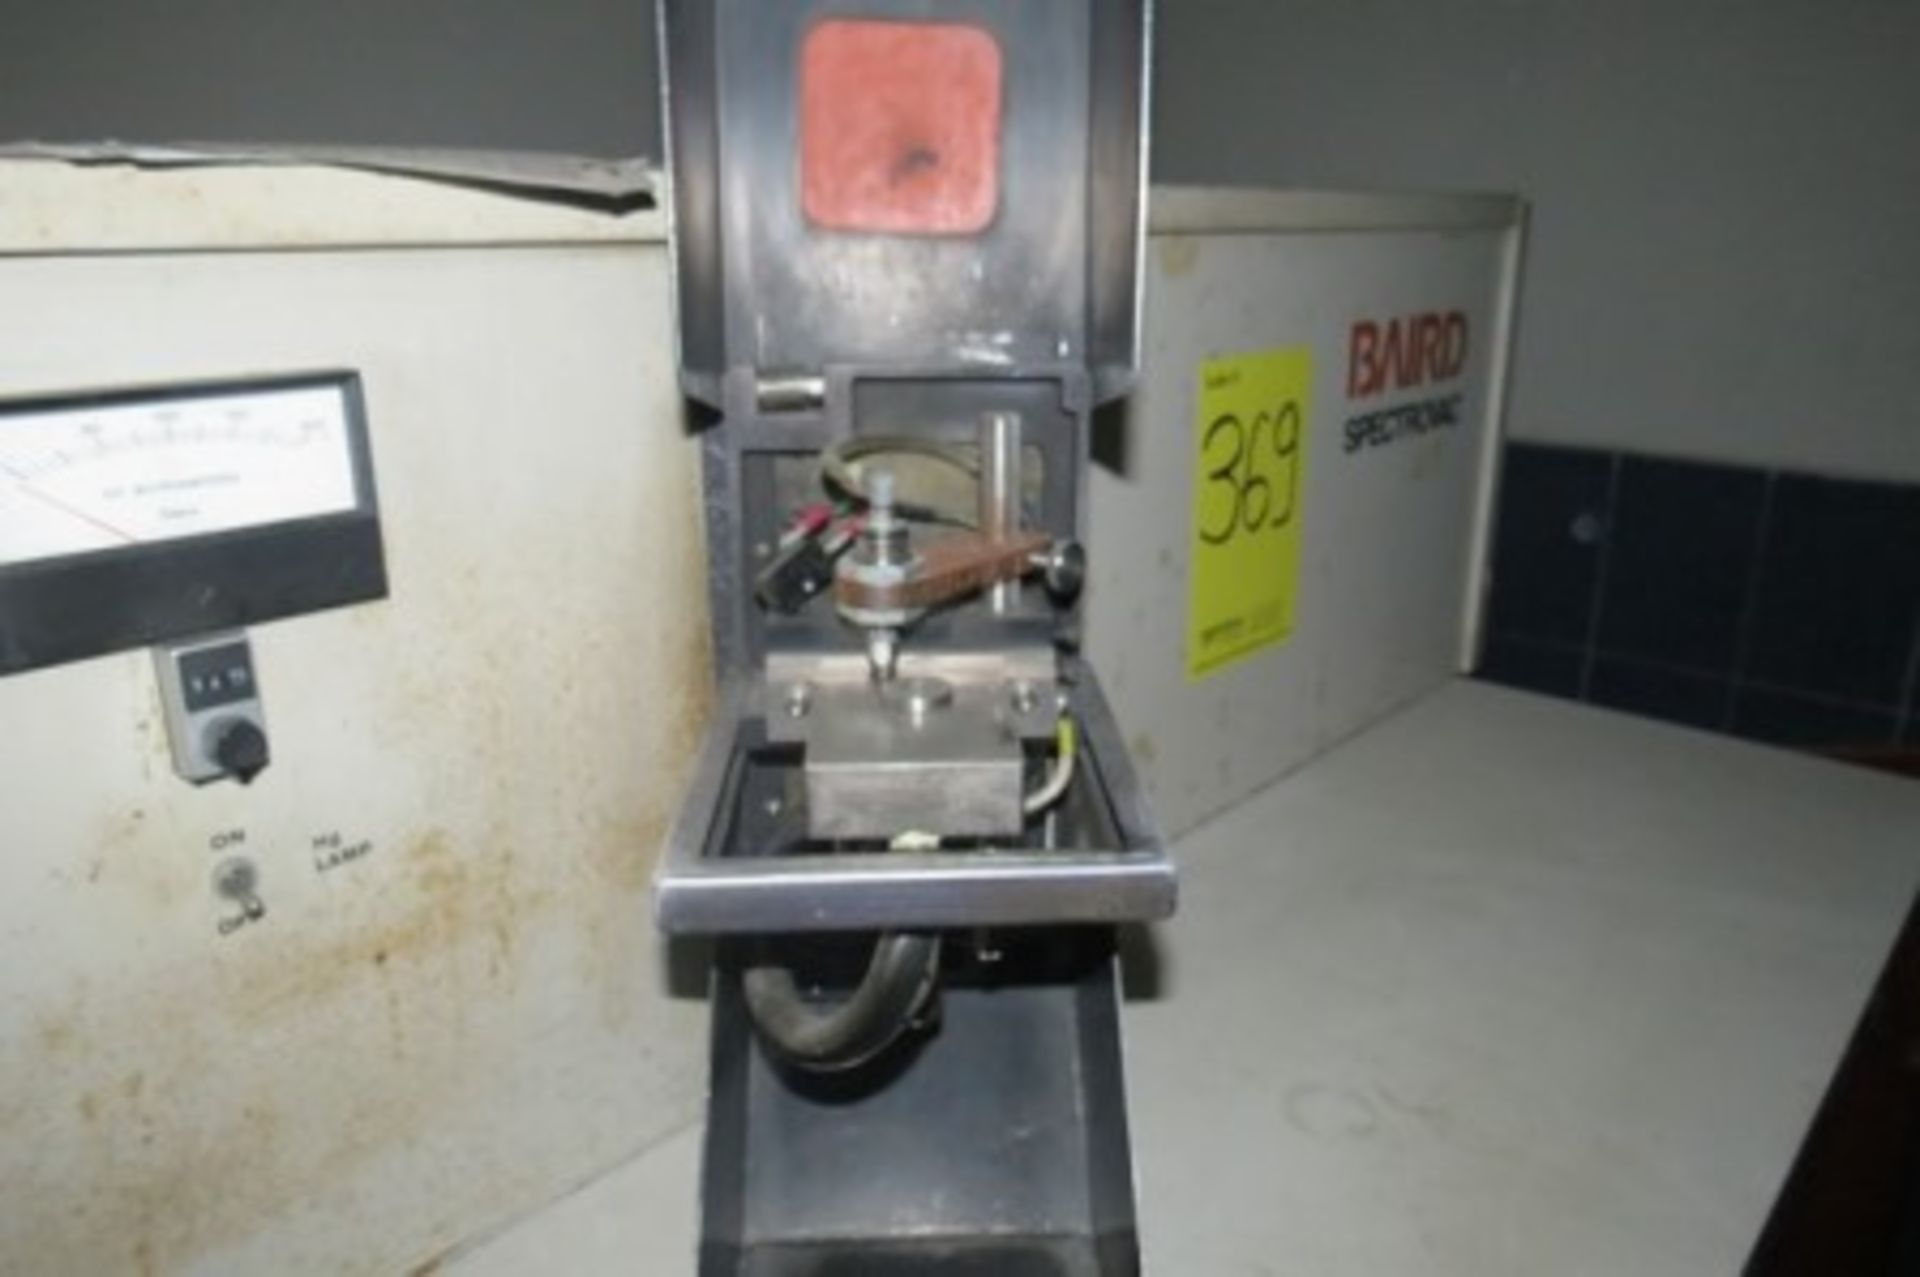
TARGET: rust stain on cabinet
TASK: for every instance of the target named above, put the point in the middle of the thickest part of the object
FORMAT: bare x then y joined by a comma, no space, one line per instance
297,1055
1179,254
510,728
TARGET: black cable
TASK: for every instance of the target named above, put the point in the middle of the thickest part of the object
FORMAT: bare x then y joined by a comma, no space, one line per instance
900,976
837,476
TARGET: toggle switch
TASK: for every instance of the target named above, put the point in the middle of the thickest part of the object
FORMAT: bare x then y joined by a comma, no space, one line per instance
237,879
216,725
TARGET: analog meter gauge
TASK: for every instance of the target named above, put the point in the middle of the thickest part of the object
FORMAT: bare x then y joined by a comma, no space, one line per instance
133,516
82,479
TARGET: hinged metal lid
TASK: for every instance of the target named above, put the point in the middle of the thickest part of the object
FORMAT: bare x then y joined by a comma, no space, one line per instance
865,186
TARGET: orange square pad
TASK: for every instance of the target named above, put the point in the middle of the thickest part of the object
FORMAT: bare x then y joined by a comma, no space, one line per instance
900,127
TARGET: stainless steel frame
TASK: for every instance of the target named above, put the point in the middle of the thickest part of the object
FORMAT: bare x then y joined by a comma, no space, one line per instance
993,1137
705,887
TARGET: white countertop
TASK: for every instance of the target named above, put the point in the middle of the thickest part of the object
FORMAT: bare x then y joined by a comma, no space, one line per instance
1503,986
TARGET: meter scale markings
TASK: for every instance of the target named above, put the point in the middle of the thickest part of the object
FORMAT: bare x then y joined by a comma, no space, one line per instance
79,480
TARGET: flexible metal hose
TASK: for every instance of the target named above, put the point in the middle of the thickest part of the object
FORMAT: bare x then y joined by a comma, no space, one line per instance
900,976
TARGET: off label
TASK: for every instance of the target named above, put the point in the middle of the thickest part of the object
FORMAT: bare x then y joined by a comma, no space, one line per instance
1249,473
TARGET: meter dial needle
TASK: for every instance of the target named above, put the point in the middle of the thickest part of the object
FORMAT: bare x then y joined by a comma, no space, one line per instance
77,513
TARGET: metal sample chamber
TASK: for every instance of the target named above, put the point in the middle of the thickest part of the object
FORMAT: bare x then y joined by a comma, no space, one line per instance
907,250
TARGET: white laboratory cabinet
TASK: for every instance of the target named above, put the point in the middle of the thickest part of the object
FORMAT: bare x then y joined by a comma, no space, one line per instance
404,1049
468,1015
1397,314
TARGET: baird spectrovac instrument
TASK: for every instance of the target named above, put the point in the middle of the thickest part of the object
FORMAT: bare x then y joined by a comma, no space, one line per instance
907,244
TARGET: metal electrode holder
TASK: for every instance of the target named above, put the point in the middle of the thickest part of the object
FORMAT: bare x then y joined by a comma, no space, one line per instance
907,247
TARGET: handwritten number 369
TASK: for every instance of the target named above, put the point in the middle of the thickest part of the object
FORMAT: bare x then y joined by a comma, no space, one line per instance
1252,504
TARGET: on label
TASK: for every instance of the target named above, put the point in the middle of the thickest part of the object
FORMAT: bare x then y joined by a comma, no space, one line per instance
1248,476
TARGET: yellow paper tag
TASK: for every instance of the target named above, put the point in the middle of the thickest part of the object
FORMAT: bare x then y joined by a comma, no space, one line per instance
1248,477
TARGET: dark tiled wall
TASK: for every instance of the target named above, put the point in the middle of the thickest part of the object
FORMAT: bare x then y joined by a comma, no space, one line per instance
1777,606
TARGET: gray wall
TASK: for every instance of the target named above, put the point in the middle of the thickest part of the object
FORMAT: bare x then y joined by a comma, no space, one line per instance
1726,251
1725,258
566,75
